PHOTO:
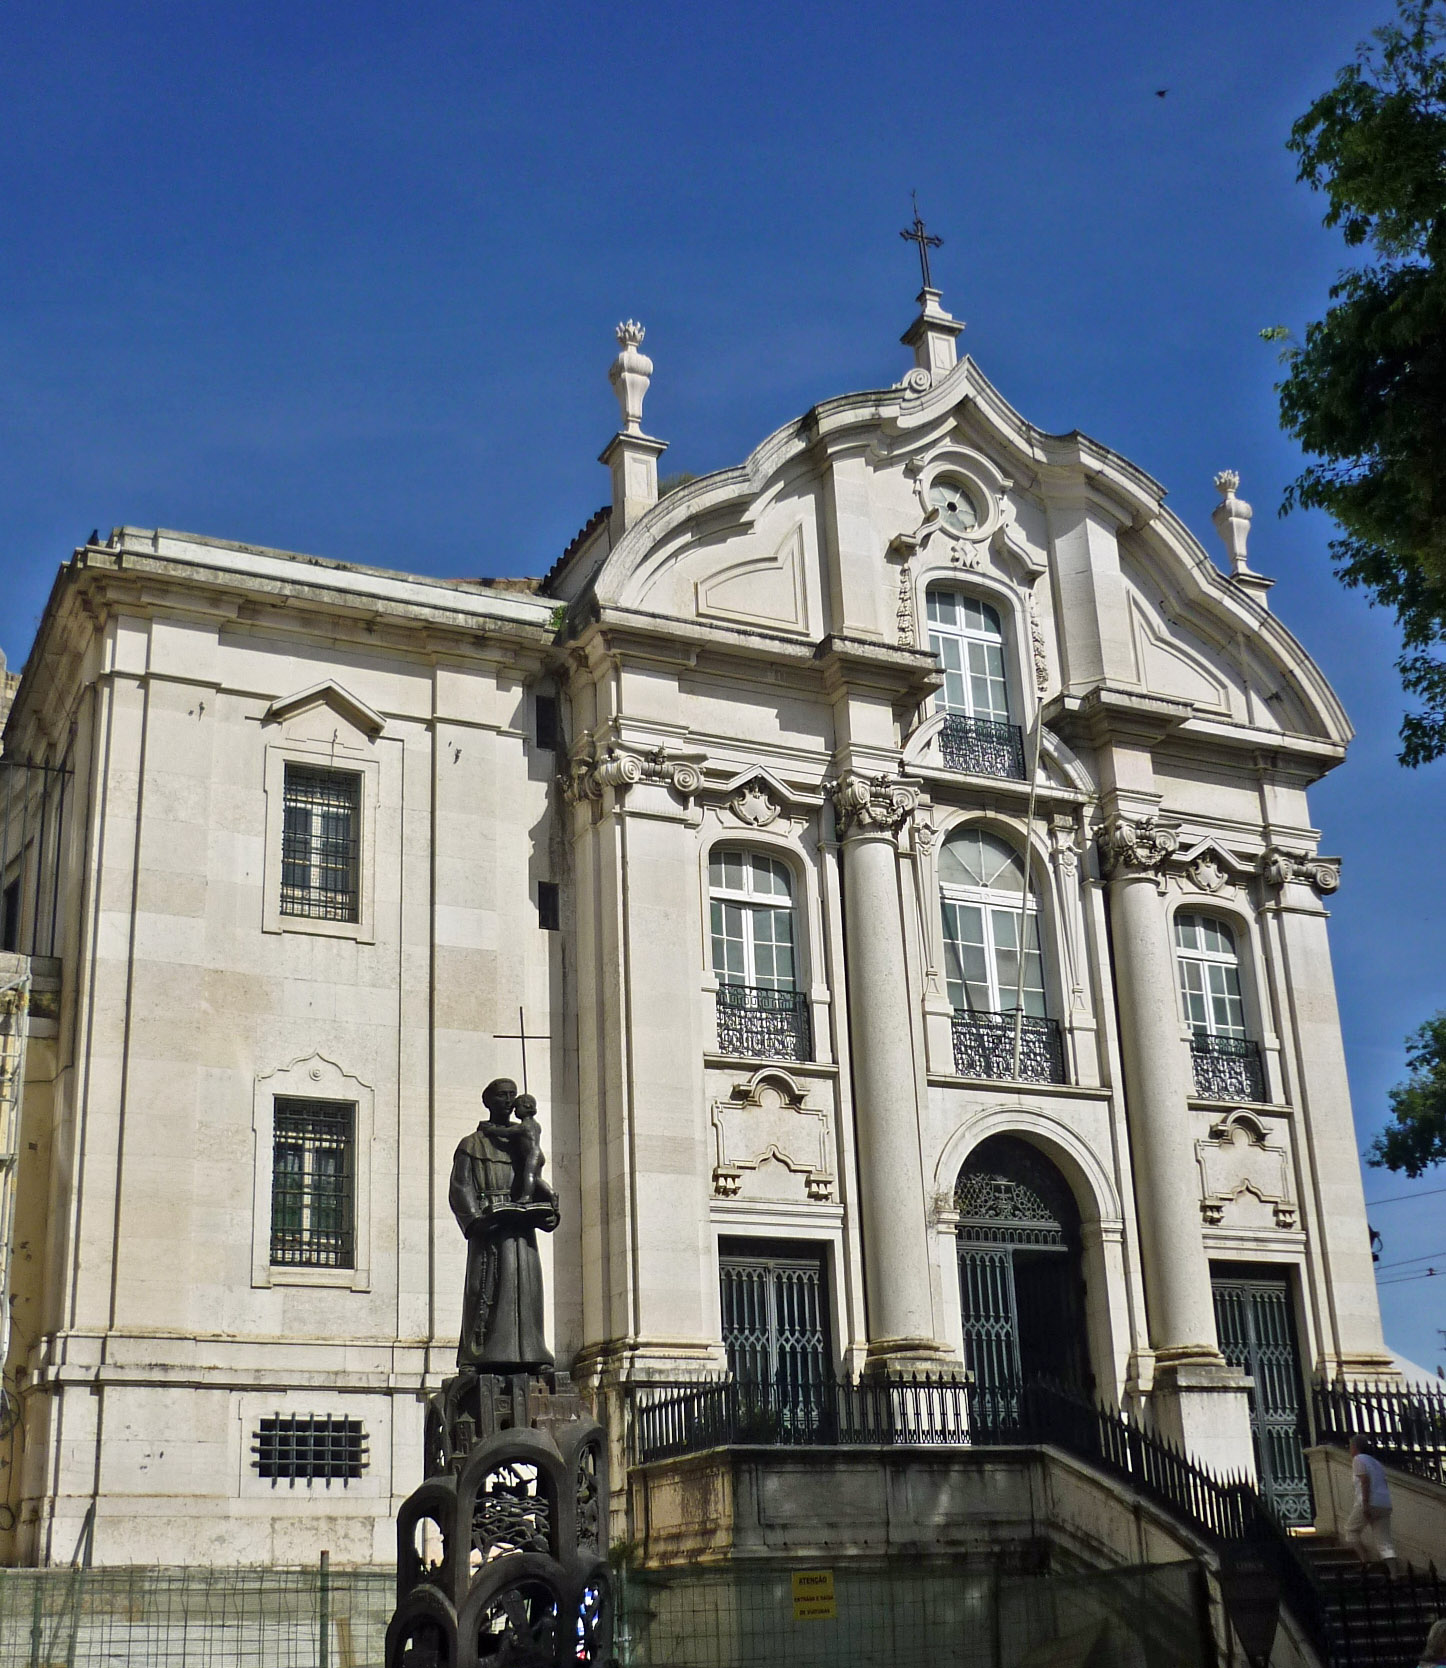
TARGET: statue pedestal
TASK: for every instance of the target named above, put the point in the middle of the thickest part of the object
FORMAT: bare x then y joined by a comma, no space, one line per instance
504,1547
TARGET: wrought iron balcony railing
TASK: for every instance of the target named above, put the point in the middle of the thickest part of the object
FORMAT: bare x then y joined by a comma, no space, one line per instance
982,747
764,1024
984,1047
1227,1068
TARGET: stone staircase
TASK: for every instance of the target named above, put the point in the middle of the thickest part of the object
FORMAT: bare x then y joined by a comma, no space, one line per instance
1373,1619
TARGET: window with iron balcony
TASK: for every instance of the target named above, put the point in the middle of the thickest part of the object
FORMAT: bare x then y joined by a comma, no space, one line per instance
1225,1062
1001,1027
977,734
761,1011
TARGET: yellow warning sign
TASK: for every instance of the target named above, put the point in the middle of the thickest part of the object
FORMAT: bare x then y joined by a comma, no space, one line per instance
813,1599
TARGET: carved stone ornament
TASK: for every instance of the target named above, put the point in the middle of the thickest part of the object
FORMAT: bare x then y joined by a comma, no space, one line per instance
768,1144
1241,1172
872,804
1206,875
1142,845
904,614
1036,638
620,770
1281,867
754,805
630,375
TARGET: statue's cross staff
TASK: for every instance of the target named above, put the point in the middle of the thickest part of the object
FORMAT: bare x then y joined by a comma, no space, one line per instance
522,1036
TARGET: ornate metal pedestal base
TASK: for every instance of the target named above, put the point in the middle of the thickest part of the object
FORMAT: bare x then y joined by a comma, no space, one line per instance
501,1552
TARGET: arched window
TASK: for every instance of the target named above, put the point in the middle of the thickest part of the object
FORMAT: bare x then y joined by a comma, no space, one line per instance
981,894
981,884
761,1011
1226,1061
968,639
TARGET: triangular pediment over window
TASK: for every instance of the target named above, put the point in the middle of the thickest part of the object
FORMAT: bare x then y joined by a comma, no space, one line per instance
328,694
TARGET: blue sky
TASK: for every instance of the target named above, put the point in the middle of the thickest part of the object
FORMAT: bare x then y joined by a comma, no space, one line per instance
342,278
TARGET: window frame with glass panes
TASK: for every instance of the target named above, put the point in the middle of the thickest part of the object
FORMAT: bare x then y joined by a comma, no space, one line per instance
752,906
975,690
993,905
314,796
1201,1007
324,1232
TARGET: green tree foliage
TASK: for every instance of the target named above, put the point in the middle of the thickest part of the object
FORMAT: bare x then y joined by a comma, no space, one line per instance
1416,1138
1365,393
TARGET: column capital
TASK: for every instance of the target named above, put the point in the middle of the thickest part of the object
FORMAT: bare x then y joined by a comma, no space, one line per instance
618,769
877,805
1137,846
1280,867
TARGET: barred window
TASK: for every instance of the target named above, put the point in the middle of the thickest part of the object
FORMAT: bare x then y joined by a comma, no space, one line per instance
312,1194
321,823
309,1448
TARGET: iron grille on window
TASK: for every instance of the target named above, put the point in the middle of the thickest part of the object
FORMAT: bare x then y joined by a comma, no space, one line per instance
1227,1068
984,1047
319,845
764,1024
982,746
309,1448
311,1184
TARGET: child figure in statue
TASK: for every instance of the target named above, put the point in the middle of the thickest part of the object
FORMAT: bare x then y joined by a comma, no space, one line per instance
527,1155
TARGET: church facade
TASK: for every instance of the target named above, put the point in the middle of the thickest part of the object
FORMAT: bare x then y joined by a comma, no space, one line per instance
888,863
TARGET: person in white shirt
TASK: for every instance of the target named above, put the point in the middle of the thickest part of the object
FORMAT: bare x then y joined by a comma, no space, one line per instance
1368,1528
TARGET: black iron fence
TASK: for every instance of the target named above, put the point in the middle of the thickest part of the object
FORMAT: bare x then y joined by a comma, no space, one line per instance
686,1418
1227,1068
764,1024
984,1047
1405,1425
1374,1618
982,746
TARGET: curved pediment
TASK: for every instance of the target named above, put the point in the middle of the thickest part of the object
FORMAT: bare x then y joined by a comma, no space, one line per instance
827,526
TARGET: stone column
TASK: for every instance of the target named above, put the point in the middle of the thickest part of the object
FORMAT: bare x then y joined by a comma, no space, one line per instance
1197,1399
870,812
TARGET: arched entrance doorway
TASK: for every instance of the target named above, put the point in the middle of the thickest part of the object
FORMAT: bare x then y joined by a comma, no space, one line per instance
1021,1284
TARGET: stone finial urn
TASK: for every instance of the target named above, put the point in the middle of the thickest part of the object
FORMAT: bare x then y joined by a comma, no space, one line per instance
1232,517
630,375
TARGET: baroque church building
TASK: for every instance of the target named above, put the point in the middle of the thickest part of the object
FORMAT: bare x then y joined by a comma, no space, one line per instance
887,861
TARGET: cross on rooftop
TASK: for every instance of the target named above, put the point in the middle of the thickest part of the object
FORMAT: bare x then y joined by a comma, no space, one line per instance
926,242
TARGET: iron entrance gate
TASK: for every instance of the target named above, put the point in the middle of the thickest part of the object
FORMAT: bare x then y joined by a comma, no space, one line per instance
1019,1276
775,1314
1255,1321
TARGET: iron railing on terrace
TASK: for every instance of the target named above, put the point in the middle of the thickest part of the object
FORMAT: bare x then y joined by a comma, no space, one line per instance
982,746
764,1024
1227,1068
1405,1425
669,1420
984,1047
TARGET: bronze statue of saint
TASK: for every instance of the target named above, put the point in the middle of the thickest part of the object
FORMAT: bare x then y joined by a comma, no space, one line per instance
500,1203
